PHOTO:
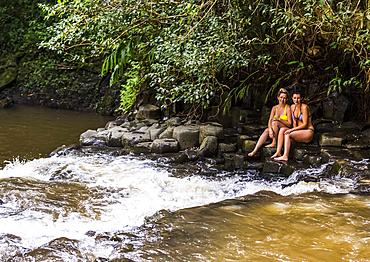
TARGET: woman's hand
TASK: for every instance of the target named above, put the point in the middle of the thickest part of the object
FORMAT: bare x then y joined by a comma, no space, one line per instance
271,133
288,131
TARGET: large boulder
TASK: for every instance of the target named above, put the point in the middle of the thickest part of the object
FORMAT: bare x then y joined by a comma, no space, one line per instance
137,124
253,129
331,154
131,139
114,137
167,133
241,138
249,116
143,147
148,112
277,168
228,120
328,139
155,130
361,143
209,146
231,135
266,151
211,129
7,78
248,145
335,107
226,148
6,103
238,161
161,146
366,132
323,125
93,137
188,136
302,151
271,166
312,160
174,121
347,128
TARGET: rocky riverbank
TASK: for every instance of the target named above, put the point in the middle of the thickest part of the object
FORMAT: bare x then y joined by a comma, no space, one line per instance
341,149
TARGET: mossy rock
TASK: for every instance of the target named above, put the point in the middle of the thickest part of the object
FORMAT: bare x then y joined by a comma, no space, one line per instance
7,78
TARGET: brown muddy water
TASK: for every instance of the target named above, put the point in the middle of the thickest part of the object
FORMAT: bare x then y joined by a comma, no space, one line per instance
91,205
33,132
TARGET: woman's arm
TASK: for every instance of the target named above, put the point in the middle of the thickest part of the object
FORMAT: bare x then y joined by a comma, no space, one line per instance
287,123
289,114
271,116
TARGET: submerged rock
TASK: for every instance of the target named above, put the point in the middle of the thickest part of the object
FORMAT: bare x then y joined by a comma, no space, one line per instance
64,150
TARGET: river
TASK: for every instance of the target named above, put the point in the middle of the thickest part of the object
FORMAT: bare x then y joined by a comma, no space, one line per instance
91,205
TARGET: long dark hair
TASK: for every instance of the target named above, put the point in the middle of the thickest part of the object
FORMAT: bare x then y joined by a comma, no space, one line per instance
297,90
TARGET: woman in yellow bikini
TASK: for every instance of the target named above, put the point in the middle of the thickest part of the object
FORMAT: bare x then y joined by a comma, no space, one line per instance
280,117
302,130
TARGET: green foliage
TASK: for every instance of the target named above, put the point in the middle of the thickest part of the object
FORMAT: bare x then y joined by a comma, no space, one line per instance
22,25
130,90
192,50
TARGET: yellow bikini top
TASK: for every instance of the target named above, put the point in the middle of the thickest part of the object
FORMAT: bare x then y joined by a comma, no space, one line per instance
282,117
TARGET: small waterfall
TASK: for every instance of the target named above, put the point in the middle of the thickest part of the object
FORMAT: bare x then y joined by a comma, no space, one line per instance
71,195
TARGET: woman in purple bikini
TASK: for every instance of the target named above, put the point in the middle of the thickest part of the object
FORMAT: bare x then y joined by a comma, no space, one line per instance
302,130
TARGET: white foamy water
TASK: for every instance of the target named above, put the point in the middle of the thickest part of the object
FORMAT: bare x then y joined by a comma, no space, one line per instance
114,193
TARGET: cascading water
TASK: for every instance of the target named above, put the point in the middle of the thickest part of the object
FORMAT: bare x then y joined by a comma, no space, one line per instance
69,196
90,205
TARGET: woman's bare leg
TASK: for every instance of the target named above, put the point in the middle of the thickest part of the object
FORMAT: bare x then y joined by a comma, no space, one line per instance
260,142
304,135
275,128
280,142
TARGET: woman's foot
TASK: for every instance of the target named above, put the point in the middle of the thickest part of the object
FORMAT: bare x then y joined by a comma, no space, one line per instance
282,158
275,155
252,153
271,145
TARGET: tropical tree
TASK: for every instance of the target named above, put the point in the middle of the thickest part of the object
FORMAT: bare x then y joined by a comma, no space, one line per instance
193,50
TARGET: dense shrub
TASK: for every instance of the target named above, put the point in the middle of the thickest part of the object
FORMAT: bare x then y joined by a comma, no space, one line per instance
189,51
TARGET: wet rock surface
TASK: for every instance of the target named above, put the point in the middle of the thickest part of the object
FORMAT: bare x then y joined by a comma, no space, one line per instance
343,149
